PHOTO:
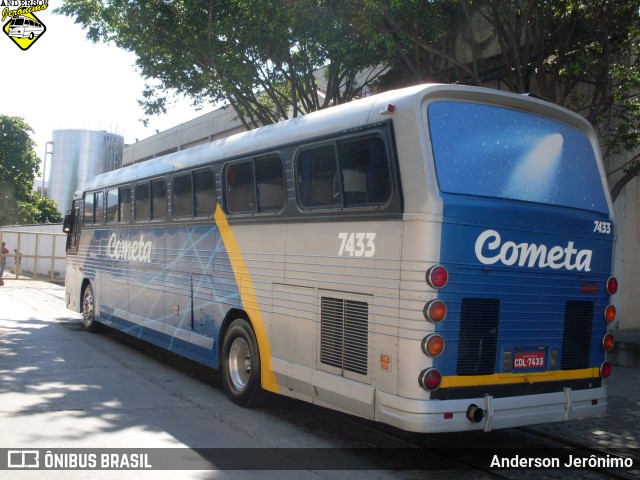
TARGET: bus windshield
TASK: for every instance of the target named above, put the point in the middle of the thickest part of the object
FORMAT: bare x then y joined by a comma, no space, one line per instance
498,152
17,21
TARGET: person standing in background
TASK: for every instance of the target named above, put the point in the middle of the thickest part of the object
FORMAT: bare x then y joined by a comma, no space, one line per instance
3,263
18,262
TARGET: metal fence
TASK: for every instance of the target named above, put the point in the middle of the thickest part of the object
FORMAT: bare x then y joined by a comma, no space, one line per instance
35,253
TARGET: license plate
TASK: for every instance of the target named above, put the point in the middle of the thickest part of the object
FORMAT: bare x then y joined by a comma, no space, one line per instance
527,360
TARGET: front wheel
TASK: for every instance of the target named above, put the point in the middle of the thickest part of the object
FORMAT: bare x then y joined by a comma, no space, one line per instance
240,365
88,312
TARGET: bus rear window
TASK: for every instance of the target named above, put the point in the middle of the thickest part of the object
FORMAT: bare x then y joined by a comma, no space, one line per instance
498,152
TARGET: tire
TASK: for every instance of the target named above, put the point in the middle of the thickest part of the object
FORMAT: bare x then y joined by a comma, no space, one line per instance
240,365
88,312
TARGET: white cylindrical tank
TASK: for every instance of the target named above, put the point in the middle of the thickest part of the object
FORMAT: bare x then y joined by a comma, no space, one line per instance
79,155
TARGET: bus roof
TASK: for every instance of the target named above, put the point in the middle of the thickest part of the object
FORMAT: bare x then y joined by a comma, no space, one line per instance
316,124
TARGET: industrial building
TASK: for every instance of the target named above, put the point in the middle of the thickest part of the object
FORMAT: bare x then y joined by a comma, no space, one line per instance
77,156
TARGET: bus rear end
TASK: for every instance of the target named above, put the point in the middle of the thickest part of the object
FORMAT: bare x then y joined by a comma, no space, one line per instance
517,323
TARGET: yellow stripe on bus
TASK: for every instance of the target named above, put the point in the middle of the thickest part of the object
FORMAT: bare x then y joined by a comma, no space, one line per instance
512,378
248,297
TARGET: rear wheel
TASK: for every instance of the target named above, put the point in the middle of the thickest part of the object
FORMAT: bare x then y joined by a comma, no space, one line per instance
240,365
88,312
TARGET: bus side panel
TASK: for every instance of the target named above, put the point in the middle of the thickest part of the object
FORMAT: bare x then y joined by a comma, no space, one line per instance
335,312
171,286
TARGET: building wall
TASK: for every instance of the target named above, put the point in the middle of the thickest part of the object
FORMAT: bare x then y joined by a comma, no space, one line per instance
627,258
205,128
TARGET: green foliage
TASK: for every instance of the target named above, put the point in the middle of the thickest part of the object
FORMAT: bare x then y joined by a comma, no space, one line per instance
581,54
19,164
259,56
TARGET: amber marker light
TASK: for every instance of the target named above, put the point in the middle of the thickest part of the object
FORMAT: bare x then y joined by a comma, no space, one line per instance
435,311
433,345
610,313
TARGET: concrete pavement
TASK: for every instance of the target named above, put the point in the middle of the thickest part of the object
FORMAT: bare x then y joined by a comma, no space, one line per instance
61,387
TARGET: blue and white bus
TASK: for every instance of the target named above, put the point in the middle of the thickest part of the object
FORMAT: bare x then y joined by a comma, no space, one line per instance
437,258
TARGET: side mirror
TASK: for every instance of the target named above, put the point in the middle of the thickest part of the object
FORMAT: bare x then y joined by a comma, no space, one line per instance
68,221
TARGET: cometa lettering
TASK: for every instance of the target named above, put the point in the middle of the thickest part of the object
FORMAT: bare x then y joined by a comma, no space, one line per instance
134,251
490,250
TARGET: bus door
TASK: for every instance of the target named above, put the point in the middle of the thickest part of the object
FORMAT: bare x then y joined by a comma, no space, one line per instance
71,227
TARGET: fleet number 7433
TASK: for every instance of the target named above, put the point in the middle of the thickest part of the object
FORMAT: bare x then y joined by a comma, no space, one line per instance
357,244
601,227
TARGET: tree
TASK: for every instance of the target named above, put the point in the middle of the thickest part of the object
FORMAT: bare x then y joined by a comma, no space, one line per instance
19,164
261,57
581,54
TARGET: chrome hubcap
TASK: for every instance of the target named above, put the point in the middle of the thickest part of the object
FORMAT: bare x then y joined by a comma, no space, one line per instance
87,309
239,363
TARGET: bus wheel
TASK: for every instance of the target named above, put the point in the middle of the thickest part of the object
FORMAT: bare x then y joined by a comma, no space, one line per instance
88,313
241,365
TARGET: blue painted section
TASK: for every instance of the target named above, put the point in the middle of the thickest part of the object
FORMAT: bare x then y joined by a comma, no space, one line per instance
526,223
171,286
532,299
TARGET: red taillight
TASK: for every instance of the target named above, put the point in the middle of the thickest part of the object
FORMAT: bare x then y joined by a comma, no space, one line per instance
435,311
612,285
607,342
610,313
433,345
437,276
605,369
430,379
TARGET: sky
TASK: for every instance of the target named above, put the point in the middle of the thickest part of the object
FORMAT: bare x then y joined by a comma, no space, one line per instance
64,81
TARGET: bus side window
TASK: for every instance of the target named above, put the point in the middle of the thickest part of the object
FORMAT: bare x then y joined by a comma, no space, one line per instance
366,176
270,184
182,196
124,204
158,199
316,170
88,208
204,192
99,208
73,225
112,205
240,191
141,204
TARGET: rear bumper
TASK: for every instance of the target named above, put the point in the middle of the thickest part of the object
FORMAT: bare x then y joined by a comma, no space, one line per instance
506,412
